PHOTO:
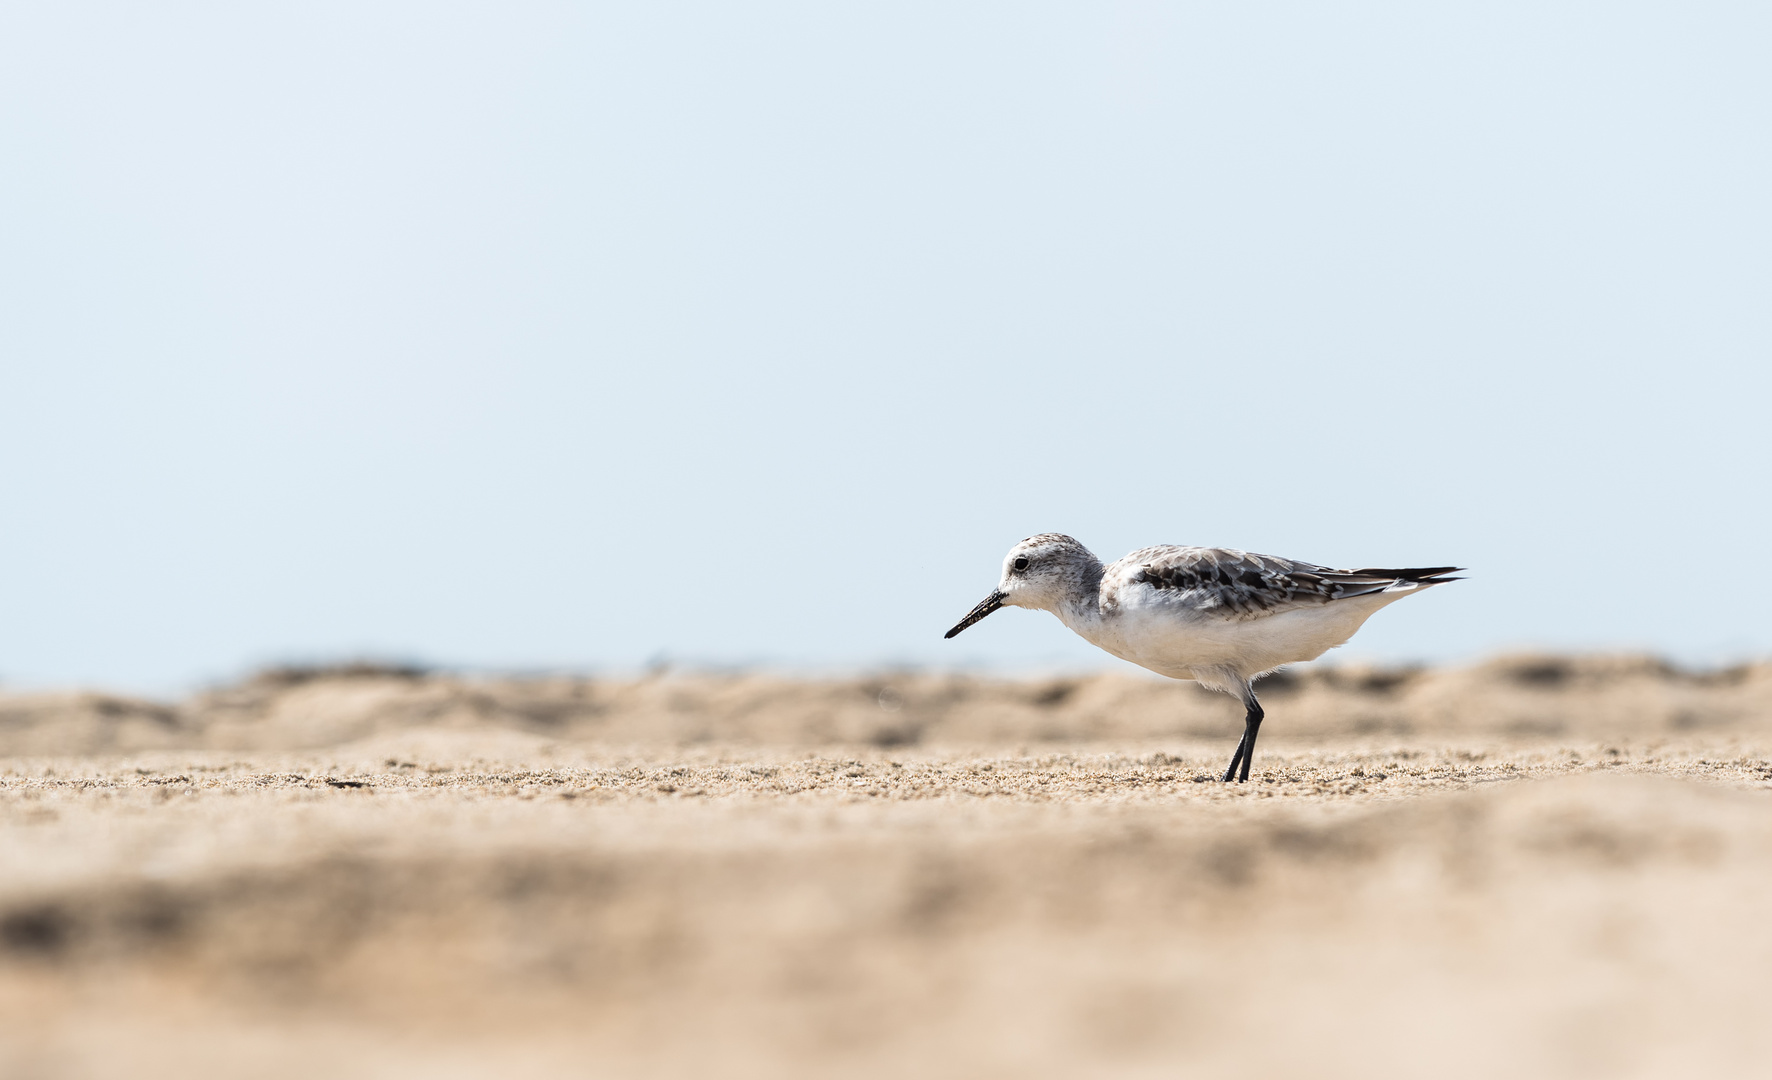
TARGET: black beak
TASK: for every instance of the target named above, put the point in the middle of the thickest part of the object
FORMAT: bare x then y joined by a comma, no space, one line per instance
985,607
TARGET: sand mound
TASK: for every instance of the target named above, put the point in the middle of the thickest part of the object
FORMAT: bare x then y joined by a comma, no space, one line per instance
290,709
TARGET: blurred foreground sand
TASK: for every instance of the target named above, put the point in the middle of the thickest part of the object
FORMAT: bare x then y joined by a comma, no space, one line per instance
1539,866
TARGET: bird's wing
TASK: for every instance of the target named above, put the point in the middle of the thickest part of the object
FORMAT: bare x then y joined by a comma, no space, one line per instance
1245,585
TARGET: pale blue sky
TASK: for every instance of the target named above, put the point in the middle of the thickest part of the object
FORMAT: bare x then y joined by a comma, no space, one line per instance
526,335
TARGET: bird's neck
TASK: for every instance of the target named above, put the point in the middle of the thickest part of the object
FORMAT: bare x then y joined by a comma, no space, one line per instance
1080,606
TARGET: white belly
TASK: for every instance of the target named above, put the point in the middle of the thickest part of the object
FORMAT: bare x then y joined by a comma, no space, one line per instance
1188,644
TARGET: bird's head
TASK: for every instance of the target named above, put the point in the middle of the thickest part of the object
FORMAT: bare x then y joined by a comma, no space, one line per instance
1040,572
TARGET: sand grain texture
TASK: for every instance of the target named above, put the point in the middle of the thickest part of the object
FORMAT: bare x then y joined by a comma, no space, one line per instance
1542,865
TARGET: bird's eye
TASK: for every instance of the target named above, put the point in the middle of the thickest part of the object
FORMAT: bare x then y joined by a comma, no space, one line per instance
1021,562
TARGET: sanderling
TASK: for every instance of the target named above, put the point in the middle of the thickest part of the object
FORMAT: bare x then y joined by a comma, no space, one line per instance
1221,617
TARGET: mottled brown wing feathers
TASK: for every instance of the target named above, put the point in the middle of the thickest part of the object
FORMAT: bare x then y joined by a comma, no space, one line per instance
1261,584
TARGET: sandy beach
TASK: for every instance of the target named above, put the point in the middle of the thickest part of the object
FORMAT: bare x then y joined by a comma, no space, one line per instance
1539,865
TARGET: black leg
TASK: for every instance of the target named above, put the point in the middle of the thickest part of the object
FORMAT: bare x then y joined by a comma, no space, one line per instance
1237,758
1245,754
1251,728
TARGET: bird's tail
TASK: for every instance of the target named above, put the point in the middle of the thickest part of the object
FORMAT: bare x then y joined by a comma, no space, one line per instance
1414,575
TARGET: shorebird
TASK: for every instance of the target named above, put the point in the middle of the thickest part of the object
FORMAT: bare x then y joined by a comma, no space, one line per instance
1221,617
